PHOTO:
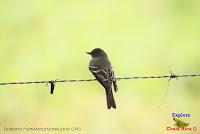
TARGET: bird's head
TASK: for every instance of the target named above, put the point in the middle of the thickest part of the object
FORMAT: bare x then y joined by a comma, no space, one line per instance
97,53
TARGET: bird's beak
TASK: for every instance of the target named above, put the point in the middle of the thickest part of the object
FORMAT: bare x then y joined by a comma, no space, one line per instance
88,53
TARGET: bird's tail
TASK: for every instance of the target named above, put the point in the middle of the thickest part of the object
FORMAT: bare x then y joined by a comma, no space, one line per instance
110,99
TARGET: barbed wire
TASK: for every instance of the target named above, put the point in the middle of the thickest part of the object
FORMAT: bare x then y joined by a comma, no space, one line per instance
119,78
52,82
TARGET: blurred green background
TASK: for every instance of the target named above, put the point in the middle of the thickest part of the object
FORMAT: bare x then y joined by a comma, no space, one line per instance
47,40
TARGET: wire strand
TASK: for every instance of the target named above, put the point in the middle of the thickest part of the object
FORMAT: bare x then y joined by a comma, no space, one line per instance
85,80
166,91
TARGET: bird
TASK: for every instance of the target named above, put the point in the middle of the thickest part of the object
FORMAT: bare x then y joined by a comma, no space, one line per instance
101,68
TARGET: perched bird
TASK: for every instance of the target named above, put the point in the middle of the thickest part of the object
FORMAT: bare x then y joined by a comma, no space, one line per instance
101,68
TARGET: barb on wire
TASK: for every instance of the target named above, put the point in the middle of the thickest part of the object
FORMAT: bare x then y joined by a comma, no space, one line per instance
119,78
52,87
173,76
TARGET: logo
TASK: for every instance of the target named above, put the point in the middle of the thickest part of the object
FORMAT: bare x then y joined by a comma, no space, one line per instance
180,124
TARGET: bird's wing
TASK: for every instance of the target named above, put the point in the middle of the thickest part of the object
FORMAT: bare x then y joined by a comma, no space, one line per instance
102,76
112,77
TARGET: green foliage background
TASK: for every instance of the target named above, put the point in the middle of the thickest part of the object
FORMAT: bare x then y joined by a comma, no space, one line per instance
46,40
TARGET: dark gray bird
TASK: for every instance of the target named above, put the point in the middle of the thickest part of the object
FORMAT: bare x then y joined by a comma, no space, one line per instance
101,68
